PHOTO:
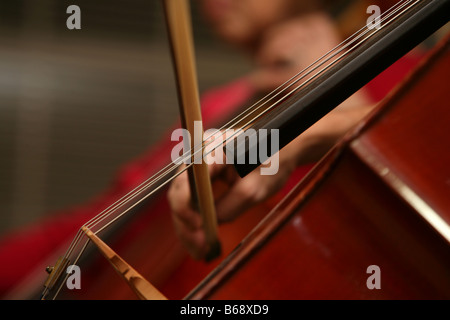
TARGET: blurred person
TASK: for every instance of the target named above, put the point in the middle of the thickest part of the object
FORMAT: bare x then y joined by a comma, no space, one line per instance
281,37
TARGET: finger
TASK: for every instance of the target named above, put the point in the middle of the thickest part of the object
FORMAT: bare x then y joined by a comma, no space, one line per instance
179,196
224,172
217,169
194,240
242,196
222,182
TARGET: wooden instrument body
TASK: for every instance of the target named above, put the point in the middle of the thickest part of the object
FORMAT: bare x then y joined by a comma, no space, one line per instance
367,203
150,245
362,205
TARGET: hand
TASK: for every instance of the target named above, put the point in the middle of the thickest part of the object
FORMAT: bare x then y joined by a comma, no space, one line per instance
233,196
284,51
290,47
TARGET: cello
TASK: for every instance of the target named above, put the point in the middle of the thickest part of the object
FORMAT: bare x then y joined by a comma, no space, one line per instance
170,277
375,200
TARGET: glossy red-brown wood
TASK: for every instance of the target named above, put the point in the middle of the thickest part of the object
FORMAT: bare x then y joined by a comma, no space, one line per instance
150,245
348,214
351,212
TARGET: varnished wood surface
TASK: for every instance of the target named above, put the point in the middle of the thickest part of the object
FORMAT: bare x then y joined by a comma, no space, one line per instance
349,215
344,217
413,141
165,262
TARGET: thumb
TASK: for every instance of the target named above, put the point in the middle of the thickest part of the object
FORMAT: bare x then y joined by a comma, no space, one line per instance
239,198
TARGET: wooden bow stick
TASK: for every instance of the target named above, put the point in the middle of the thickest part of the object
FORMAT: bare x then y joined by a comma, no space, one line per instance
180,34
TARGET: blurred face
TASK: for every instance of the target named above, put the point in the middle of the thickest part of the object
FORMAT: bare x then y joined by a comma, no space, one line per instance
241,22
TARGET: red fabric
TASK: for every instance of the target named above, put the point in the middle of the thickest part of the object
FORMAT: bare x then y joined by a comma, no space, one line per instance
23,249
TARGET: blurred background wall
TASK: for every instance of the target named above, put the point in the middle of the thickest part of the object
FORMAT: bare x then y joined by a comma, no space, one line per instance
75,105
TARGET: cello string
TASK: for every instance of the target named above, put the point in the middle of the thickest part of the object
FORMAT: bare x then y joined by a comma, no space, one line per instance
258,107
136,203
249,122
188,153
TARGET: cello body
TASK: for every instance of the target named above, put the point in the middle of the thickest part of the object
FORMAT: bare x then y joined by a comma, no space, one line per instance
378,201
